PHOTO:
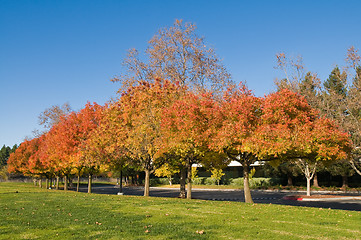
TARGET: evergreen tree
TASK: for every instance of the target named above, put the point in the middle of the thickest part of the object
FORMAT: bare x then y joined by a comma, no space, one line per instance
4,155
336,83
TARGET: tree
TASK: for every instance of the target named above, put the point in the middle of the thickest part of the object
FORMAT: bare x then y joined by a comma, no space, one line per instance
142,111
333,101
166,170
297,80
66,139
342,168
217,174
52,116
291,129
4,155
233,127
178,54
184,128
107,142
87,120
354,103
18,161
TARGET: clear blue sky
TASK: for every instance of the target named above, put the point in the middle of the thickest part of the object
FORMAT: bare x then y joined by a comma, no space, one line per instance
52,52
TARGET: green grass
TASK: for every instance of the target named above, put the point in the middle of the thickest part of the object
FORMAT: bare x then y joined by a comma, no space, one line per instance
28,212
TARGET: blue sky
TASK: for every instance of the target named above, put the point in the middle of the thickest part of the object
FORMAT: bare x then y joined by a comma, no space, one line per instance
52,52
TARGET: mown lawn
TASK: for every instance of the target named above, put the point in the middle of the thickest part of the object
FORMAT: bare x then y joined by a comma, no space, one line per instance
28,212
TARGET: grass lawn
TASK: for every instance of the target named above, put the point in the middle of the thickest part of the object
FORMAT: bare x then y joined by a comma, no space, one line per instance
28,212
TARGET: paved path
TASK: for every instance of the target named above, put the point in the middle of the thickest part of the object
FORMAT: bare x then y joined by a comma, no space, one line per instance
259,196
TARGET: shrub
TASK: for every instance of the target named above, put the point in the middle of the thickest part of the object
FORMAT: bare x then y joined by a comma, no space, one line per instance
154,182
256,182
210,181
199,181
236,181
4,175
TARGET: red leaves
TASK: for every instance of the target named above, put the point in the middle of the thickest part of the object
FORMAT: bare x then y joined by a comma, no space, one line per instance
151,119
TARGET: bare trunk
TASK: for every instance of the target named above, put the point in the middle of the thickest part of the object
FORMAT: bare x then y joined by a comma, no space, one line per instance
289,179
146,182
189,182
90,183
47,183
70,183
308,186
34,180
315,180
121,182
344,181
246,189
78,183
57,183
40,183
65,183
182,181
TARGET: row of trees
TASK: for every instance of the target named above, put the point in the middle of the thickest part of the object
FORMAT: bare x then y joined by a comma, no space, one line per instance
177,107
159,123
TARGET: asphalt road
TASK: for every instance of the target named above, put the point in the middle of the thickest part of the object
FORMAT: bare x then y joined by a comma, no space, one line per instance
264,197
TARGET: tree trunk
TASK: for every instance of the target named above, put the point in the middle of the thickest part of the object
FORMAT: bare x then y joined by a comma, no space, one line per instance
70,183
315,180
189,182
57,183
34,180
289,180
121,183
78,183
182,181
308,186
90,183
146,182
51,183
65,183
47,183
246,189
344,181
40,183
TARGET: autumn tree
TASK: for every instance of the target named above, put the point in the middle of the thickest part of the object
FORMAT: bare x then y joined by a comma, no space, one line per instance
233,126
86,121
107,142
292,130
185,125
178,54
21,161
142,111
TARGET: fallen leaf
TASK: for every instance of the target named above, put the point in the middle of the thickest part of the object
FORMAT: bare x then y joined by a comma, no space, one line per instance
200,232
